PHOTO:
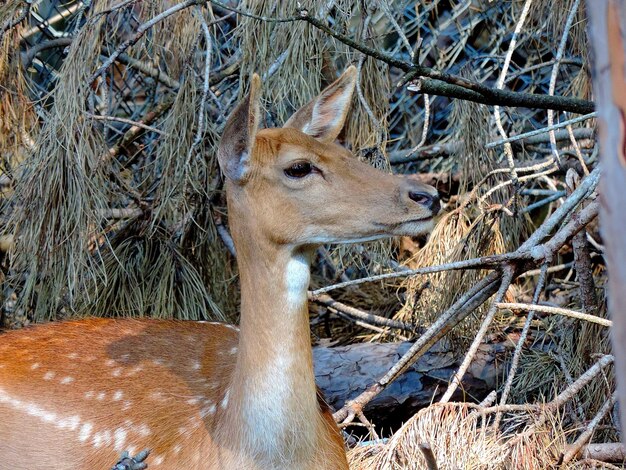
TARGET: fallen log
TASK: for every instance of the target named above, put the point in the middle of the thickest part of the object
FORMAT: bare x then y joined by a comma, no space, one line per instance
344,372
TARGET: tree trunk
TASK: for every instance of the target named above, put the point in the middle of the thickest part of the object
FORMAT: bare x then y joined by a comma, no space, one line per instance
607,30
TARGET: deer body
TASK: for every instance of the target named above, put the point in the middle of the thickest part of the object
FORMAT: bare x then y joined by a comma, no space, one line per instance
205,395
66,409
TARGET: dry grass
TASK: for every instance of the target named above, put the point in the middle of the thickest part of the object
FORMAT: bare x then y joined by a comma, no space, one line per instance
460,437
61,190
69,179
155,279
290,80
17,116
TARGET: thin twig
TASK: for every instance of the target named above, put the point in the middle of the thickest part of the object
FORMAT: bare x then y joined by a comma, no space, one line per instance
508,149
558,401
367,325
566,312
579,154
224,234
555,71
367,317
208,43
586,186
542,130
125,121
582,258
475,263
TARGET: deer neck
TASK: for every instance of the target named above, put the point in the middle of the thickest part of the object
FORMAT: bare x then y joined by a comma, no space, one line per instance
272,396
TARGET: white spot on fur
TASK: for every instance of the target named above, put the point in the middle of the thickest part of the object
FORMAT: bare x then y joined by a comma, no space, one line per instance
109,362
72,356
157,395
71,423
49,375
97,440
224,402
117,372
119,437
158,362
158,460
143,430
196,365
135,370
34,366
101,396
89,394
177,449
297,277
67,380
85,432
209,410
233,350
117,396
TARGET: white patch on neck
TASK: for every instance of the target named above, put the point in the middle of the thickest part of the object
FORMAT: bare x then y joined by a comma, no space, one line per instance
297,278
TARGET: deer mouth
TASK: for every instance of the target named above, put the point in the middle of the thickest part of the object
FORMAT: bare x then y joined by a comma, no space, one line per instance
421,219
397,225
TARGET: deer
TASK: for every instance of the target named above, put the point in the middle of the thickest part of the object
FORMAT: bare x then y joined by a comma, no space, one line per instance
207,395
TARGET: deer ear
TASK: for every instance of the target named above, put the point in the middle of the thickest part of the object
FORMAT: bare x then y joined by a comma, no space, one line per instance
324,117
235,148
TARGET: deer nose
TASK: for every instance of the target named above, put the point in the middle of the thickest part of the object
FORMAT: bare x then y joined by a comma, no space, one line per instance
430,201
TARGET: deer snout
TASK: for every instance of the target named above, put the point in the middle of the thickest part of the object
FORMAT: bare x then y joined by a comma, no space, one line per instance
428,200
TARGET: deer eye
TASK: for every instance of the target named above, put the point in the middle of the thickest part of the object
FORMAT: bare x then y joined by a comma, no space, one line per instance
299,170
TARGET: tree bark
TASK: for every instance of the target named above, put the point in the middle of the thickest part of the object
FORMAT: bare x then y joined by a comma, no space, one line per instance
607,30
